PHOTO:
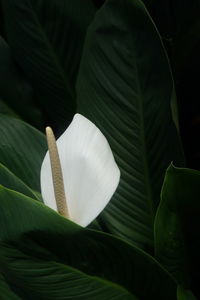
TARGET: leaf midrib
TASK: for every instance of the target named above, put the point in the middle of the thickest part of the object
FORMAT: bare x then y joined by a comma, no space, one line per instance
143,142
51,52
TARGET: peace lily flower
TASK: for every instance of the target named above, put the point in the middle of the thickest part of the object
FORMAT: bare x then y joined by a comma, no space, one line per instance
79,174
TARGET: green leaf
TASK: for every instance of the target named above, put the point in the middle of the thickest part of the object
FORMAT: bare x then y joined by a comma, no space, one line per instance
6,110
9,180
179,24
125,86
174,108
37,279
177,222
46,38
39,233
5,291
22,149
15,91
184,294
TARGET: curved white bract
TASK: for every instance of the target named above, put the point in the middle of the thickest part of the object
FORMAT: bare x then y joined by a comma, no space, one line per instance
90,172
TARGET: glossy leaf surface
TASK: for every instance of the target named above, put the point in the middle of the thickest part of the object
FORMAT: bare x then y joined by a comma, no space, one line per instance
11,181
177,243
46,38
22,149
125,88
37,231
15,90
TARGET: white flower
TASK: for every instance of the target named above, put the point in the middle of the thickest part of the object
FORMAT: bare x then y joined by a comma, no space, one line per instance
90,173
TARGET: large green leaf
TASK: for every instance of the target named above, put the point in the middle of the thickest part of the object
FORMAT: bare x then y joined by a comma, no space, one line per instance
5,291
6,110
46,38
124,87
37,279
177,243
15,91
184,294
22,149
178,22
43,240
11,181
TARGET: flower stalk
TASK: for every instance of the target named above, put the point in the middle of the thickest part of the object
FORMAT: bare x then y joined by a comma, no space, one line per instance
57,176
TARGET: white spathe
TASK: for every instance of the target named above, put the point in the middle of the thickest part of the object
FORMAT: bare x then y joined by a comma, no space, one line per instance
90,173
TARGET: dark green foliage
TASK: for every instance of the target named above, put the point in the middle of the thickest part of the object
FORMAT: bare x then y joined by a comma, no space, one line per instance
108,61
125,87
22,149
177,243
41,242
46,38
9,180
15,91
179,24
